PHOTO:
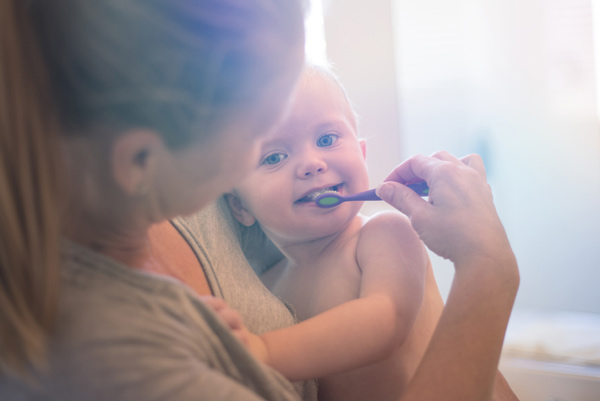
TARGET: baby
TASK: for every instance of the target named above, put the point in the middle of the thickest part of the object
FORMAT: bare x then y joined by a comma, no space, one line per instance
362,288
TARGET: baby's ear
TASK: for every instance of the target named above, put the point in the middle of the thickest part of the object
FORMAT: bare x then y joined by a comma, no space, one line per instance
239,211
363,147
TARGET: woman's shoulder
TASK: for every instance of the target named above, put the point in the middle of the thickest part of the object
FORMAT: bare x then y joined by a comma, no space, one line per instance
128,332
104,293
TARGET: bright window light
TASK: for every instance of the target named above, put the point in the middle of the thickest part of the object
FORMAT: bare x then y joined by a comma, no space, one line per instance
315,34
596,30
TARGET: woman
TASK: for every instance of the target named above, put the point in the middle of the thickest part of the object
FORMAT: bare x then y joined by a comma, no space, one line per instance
140,111
157,105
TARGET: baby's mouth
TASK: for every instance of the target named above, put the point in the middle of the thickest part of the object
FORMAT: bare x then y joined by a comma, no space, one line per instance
313,195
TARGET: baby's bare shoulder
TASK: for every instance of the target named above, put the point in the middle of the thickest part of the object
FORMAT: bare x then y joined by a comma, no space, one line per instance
387,222
390,232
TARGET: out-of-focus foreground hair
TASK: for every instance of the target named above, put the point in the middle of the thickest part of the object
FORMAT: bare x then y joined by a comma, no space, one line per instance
71,67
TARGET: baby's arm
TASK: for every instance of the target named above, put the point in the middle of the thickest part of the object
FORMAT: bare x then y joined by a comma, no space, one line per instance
365,330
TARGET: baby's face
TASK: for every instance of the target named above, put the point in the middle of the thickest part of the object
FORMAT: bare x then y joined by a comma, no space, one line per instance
316,148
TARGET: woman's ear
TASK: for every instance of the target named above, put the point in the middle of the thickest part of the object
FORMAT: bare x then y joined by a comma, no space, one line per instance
134,159
363,147
239,211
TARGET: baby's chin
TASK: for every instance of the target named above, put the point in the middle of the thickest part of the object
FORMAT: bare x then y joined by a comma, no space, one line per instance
325,222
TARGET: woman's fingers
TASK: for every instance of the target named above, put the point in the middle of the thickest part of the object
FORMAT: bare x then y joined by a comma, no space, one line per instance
475,162
402,198
416,168
409,170
459,217
446,156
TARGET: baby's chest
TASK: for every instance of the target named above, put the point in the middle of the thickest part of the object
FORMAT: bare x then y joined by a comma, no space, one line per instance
315,289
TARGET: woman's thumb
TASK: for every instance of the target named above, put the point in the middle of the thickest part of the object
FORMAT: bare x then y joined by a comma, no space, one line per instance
399,196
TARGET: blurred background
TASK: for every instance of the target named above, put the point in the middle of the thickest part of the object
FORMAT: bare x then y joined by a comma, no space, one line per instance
512,80
516,81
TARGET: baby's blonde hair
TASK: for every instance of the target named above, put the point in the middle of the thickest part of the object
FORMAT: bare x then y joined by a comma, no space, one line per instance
326,71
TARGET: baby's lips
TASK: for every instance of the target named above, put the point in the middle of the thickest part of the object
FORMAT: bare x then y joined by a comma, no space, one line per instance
311,196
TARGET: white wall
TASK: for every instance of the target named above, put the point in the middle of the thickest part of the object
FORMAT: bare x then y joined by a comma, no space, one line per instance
360,45
506,79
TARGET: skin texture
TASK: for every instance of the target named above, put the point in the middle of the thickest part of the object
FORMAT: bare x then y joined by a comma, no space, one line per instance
363,288
471,329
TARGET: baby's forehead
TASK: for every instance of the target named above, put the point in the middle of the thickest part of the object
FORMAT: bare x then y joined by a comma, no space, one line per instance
306,117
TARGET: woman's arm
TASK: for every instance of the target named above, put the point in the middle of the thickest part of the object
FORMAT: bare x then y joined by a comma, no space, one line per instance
462,359
459,222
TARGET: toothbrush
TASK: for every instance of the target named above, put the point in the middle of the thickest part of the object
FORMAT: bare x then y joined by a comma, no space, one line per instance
331,199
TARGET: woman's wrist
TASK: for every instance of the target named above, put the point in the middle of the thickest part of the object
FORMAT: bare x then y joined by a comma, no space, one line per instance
497,269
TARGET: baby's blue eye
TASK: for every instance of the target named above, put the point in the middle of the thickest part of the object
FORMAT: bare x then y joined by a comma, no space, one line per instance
327,140
274,158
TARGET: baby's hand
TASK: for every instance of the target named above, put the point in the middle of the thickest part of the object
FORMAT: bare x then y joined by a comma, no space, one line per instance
233,320
230,317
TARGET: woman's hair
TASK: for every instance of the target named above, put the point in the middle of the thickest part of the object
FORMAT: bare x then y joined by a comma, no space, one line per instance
29,220
68,67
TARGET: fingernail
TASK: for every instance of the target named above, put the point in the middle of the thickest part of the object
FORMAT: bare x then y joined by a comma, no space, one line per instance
385,191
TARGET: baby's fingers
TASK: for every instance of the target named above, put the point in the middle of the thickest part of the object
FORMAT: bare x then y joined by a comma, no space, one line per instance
216,303
230,317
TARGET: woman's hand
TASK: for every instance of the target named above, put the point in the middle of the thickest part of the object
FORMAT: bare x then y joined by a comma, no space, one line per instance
459,222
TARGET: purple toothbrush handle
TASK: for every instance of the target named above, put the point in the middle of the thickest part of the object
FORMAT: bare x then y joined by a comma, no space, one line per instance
363,196
420,188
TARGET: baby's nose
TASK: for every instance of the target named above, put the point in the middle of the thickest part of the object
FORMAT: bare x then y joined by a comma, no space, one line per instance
312,168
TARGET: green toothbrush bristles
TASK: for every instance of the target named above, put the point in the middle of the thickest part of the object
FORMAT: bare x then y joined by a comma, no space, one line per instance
328,200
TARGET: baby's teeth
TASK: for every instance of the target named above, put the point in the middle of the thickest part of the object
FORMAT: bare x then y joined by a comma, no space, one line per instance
314,195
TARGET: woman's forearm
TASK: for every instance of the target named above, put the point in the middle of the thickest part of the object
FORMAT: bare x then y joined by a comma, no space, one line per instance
459,222
462,359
